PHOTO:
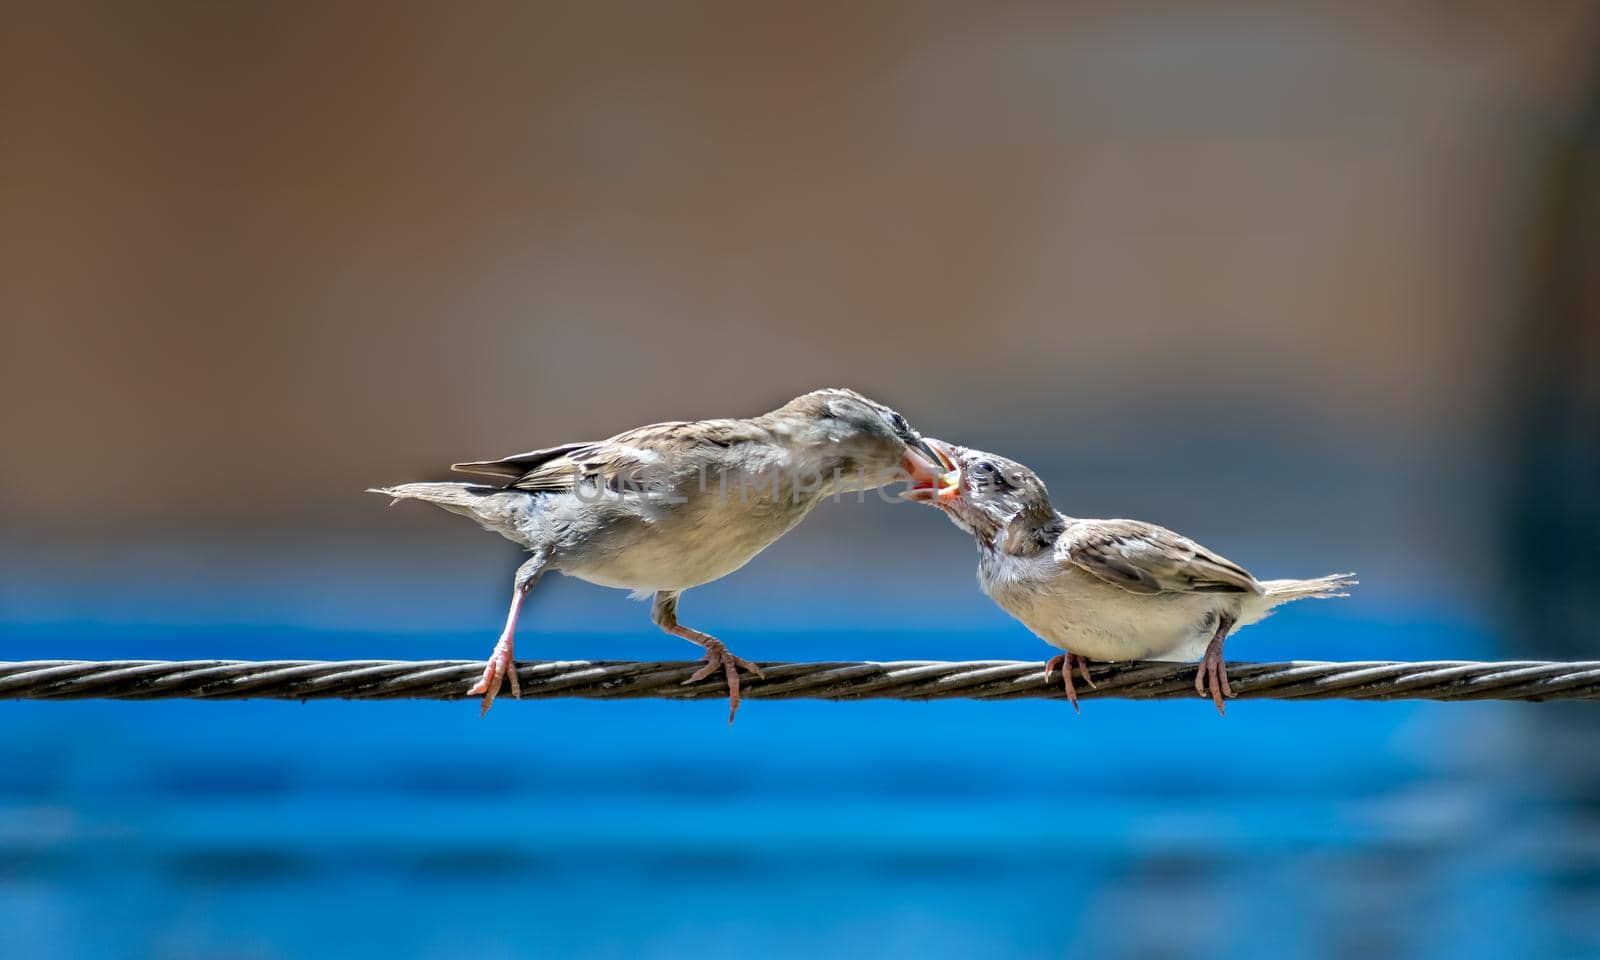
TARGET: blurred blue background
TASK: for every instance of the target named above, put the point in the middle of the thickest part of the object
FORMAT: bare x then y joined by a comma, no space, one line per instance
1311,284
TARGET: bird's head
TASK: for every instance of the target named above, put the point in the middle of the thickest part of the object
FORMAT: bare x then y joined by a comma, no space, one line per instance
986,494
865,443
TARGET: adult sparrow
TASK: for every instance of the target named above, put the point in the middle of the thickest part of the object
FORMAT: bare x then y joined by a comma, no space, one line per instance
669,506
1102,589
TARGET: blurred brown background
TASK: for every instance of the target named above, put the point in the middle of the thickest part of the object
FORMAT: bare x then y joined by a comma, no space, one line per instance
1259,271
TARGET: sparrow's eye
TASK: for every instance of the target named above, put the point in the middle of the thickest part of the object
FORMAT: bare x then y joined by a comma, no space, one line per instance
986,473
899,423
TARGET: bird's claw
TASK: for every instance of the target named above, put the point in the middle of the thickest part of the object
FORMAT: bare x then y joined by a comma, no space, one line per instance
718,656
501,666
1213,672
1065,662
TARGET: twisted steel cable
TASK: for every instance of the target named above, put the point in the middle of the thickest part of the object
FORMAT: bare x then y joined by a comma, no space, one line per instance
902,680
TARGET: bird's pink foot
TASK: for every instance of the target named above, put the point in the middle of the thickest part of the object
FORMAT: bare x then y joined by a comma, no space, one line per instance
501,666
1214,672
719,657
1065,663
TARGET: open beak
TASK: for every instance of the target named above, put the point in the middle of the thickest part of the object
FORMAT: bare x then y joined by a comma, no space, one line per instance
935,476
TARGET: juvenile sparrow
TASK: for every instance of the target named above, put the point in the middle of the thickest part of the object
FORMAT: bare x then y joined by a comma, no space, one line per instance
666,507
1101,589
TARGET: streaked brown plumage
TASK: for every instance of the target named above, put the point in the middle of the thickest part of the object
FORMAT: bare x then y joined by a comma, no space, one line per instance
1102,589
666,507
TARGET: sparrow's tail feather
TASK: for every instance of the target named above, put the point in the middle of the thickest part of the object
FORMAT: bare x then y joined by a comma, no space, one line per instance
494,508
1333,585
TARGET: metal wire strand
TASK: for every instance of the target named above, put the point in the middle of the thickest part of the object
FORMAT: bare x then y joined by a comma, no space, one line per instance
901,680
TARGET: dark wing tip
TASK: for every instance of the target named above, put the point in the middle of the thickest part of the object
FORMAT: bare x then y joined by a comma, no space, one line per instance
490,468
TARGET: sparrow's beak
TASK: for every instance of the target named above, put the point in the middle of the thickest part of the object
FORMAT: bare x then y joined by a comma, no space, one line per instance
938,481
926,449
921,462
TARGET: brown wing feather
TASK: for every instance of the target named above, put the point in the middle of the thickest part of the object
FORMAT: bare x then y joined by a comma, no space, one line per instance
518,464
1144,558
627,454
